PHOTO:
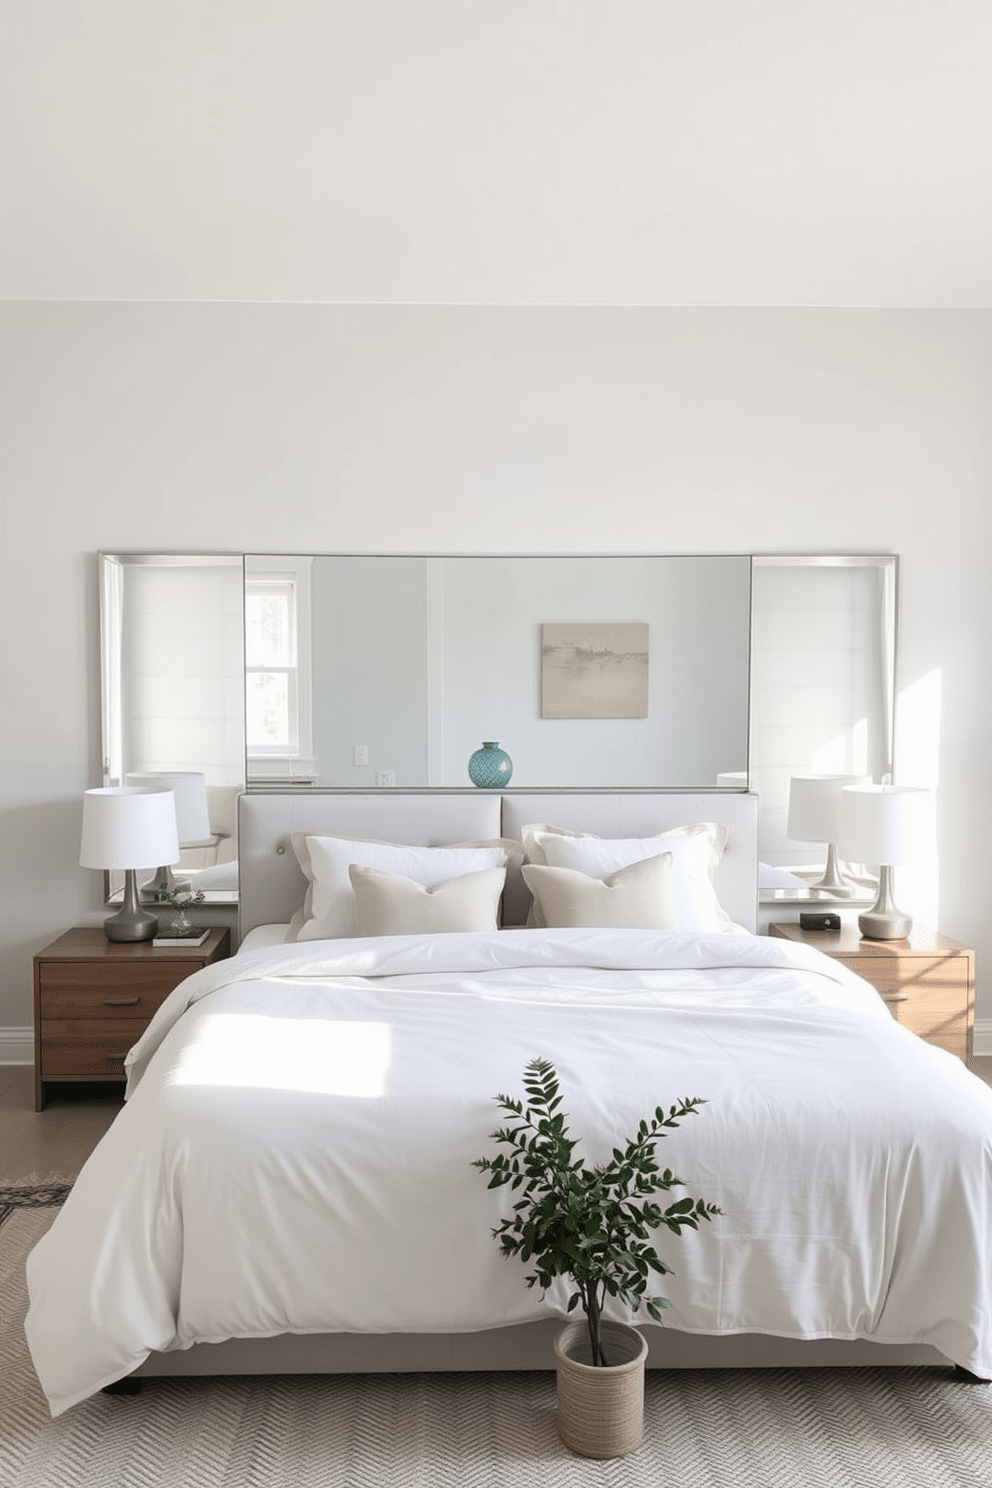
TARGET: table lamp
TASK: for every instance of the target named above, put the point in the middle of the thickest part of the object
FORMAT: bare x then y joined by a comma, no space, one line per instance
192,819
814,816
884,825
126,827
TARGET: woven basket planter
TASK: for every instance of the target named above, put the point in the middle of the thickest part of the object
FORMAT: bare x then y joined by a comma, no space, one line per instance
601,1408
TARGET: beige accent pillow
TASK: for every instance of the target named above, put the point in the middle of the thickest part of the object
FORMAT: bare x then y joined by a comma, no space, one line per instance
388,904
638,897
328,909
696,850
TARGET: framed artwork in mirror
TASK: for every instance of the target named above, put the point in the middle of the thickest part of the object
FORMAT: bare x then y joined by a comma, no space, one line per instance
594,669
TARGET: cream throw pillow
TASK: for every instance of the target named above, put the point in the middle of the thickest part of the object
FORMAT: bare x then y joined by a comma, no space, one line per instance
388,904
638,897
696,850
329,906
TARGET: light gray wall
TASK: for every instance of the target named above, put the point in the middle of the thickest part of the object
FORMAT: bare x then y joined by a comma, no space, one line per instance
369,658
573,151
420,659
696,722
420,429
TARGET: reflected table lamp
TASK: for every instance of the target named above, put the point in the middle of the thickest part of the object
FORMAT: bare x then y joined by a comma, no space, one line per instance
814,816
884,825
126,827
192,819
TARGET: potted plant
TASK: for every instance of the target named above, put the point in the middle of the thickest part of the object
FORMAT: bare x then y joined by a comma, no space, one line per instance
593,1225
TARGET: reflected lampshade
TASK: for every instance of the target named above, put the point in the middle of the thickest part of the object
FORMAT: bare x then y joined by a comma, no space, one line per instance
190,790
814,806
814,816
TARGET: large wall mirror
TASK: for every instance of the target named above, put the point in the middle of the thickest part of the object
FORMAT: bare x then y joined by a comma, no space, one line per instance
589,671
363,671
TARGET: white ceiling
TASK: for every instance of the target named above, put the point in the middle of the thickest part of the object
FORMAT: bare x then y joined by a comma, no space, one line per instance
819,152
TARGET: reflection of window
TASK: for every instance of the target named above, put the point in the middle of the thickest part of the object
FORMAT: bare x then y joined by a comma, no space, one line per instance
277,663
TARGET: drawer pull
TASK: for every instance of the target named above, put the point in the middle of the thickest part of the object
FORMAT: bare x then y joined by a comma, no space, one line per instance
121,1001
896,996
114,1059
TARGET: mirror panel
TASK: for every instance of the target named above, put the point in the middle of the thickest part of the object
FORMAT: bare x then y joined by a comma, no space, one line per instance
415,661
173,688
822,691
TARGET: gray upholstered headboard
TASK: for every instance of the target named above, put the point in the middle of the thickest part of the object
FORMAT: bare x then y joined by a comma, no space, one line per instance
272,884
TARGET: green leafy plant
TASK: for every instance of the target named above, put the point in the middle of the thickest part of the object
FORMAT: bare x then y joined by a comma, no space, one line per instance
591,1224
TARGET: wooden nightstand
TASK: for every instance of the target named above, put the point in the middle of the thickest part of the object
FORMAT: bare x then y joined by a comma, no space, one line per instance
927,981
94,999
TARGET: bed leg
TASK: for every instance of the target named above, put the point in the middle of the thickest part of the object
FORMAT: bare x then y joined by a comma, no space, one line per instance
126,1386
965,1377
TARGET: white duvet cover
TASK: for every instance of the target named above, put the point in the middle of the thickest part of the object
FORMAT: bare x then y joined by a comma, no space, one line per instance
295,1153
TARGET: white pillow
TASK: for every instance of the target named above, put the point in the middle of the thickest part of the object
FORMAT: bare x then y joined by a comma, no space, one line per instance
638,897
388,904
329,908
696,849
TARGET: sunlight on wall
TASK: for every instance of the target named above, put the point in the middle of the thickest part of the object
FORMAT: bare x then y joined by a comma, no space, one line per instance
831,758
917,757
320,1056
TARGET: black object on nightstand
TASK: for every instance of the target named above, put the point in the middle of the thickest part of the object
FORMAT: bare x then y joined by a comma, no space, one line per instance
816,919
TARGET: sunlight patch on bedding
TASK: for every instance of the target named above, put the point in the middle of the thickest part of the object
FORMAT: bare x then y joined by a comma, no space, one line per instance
309,1054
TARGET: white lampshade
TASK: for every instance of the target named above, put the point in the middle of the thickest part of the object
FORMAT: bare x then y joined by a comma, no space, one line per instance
884,825
126,827
190,788
814,807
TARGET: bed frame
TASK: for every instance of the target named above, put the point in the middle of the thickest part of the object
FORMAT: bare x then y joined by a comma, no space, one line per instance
271,890
272,884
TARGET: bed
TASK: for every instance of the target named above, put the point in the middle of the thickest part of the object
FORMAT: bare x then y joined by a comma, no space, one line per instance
289,1186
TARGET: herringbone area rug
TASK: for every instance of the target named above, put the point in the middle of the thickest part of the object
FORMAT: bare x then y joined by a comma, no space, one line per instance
913,1428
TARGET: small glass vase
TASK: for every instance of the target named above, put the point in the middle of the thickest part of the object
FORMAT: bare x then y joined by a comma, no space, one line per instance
181,922
490,767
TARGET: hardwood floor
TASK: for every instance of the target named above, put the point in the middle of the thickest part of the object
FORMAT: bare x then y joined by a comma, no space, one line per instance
59,1139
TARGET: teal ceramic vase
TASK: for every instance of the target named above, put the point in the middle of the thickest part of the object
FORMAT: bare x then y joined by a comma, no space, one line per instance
490,766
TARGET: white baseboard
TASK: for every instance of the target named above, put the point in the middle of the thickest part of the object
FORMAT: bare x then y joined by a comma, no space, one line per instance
16,1046
982,1041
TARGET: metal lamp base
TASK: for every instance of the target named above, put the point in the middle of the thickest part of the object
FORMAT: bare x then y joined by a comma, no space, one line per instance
165,882
884,921
833,881
131,923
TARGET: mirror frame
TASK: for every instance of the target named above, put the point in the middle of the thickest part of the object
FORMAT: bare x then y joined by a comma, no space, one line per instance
887,563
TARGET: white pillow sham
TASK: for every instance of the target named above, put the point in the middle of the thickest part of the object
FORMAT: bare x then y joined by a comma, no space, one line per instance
387,904
695,849
638,897
329,909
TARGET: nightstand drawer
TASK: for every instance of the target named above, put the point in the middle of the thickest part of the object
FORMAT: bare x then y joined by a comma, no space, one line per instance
72,995
137,975
71,1049
911,973
940,1019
